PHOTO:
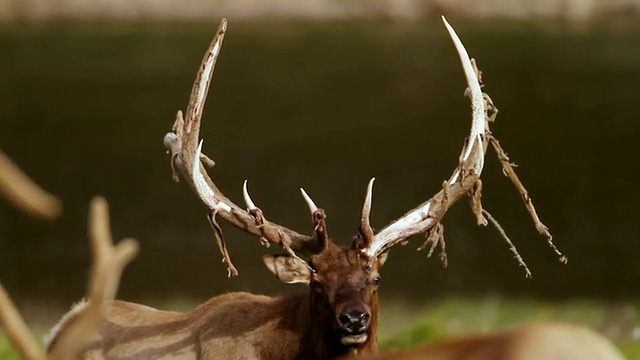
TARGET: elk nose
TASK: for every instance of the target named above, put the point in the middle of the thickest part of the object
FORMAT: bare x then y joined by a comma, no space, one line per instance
354,321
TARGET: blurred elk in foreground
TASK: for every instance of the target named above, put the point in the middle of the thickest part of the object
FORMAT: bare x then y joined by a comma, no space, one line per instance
339,314
536,341
108,263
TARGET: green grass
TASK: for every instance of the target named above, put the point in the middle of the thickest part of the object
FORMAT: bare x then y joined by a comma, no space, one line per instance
405,327
6,351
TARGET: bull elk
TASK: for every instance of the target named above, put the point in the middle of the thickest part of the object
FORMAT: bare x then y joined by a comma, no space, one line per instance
339,314
536,341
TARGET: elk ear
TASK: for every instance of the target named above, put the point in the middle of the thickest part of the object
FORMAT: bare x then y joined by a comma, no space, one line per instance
382,258
288,269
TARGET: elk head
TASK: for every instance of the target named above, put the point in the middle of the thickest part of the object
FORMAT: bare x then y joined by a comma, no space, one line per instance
343,281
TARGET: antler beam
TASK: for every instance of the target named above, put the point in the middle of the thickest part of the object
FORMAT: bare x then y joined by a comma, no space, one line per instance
465,180
185,148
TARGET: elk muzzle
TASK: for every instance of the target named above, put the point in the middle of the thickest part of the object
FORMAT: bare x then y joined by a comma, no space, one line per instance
353,322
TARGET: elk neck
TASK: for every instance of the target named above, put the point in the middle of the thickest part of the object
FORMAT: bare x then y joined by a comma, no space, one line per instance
317,313
319,338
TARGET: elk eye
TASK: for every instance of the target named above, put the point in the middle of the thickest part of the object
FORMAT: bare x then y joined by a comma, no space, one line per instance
376,280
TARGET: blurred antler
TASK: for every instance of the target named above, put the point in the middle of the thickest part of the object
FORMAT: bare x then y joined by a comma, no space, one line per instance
108,263
24,193
29,197
16,329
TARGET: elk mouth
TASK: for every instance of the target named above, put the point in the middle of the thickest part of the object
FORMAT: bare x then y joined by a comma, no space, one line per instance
353,339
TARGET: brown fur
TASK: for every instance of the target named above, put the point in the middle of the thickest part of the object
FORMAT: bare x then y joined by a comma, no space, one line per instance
248,326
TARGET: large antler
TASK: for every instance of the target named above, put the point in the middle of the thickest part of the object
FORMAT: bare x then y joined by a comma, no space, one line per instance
465,180
186,156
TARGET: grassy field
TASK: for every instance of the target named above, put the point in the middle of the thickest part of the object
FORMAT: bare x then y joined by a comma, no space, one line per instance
405,326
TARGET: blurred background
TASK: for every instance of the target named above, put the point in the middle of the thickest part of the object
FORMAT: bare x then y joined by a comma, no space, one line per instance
324,95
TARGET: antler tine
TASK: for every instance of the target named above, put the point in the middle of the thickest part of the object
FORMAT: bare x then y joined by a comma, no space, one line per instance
479,125
109,259
365,225
185,148
17,187
312,206
247,199
467,173
200,88
320,237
